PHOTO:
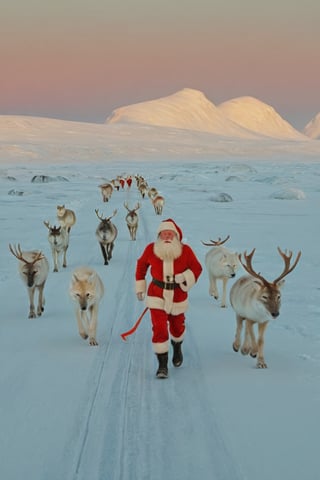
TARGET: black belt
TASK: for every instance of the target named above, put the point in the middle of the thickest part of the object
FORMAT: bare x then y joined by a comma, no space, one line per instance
165,285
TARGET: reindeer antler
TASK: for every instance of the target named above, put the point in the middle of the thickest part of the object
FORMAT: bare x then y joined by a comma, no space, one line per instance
97,213
16,251
248,266
137,206
114,213
287,259
216,243
106,218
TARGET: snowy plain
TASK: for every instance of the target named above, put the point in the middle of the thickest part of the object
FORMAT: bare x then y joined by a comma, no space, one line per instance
70,411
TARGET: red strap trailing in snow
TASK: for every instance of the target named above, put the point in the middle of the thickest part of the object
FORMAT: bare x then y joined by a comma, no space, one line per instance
135,326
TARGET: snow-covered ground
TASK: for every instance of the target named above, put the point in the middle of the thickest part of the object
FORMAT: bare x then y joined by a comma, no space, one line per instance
73,412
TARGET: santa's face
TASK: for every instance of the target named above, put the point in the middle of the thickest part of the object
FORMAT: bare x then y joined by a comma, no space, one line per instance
167,246
167,236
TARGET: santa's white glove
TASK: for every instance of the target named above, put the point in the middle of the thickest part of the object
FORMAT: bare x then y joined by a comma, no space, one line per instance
140,296
179,278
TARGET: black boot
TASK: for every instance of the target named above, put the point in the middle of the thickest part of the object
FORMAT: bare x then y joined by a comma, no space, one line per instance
162,371
177,358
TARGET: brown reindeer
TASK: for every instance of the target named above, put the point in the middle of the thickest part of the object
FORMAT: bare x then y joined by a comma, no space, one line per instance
66,217
106,234
106,191
158,204
255,300
132,219
33,269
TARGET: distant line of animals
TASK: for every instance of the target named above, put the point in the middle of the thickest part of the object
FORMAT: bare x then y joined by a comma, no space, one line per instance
254,299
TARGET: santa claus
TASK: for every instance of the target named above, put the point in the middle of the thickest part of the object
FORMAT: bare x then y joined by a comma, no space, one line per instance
174,269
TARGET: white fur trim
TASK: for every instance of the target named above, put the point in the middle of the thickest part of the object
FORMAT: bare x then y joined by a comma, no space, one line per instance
178,339
158,303
190,280
141,286
162,347
179,278
168,226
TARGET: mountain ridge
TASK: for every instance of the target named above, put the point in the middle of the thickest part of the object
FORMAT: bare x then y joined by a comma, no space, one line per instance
243,117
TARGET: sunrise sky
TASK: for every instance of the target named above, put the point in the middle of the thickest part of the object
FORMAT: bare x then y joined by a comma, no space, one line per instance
80,59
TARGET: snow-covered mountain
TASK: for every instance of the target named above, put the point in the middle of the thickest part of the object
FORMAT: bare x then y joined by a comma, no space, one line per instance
259,117
312,129
244,117
185,125
187,109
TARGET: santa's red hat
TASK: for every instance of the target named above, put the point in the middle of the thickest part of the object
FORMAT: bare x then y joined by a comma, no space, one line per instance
170,224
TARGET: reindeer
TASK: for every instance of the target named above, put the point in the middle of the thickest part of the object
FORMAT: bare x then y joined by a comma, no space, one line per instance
158,203
222,265
106,234
255,300
139,180
66,218
143,188
116,184
132,219
152,193
59,241
106,191
33,269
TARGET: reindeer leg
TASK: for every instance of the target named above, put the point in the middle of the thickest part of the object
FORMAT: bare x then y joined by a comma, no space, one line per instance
246,347
261,330
55,260
237,340
110,250
103,250
65,257
32,313
40,308
254,346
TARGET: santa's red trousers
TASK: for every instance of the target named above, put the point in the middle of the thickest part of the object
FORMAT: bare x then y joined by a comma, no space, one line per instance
163,323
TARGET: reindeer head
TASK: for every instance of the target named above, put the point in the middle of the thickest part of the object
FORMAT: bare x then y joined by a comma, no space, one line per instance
54,232
132,210
105,219
28,267
269,293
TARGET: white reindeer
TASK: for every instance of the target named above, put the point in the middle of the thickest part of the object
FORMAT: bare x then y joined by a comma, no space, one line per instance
221,264
106,234
132,219
58,238
255,300
33,269
106,191
66,217
158,204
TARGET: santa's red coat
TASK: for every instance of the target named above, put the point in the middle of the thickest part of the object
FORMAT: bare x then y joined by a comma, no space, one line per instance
172,301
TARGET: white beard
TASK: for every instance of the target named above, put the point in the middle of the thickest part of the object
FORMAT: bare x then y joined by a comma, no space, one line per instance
167,251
